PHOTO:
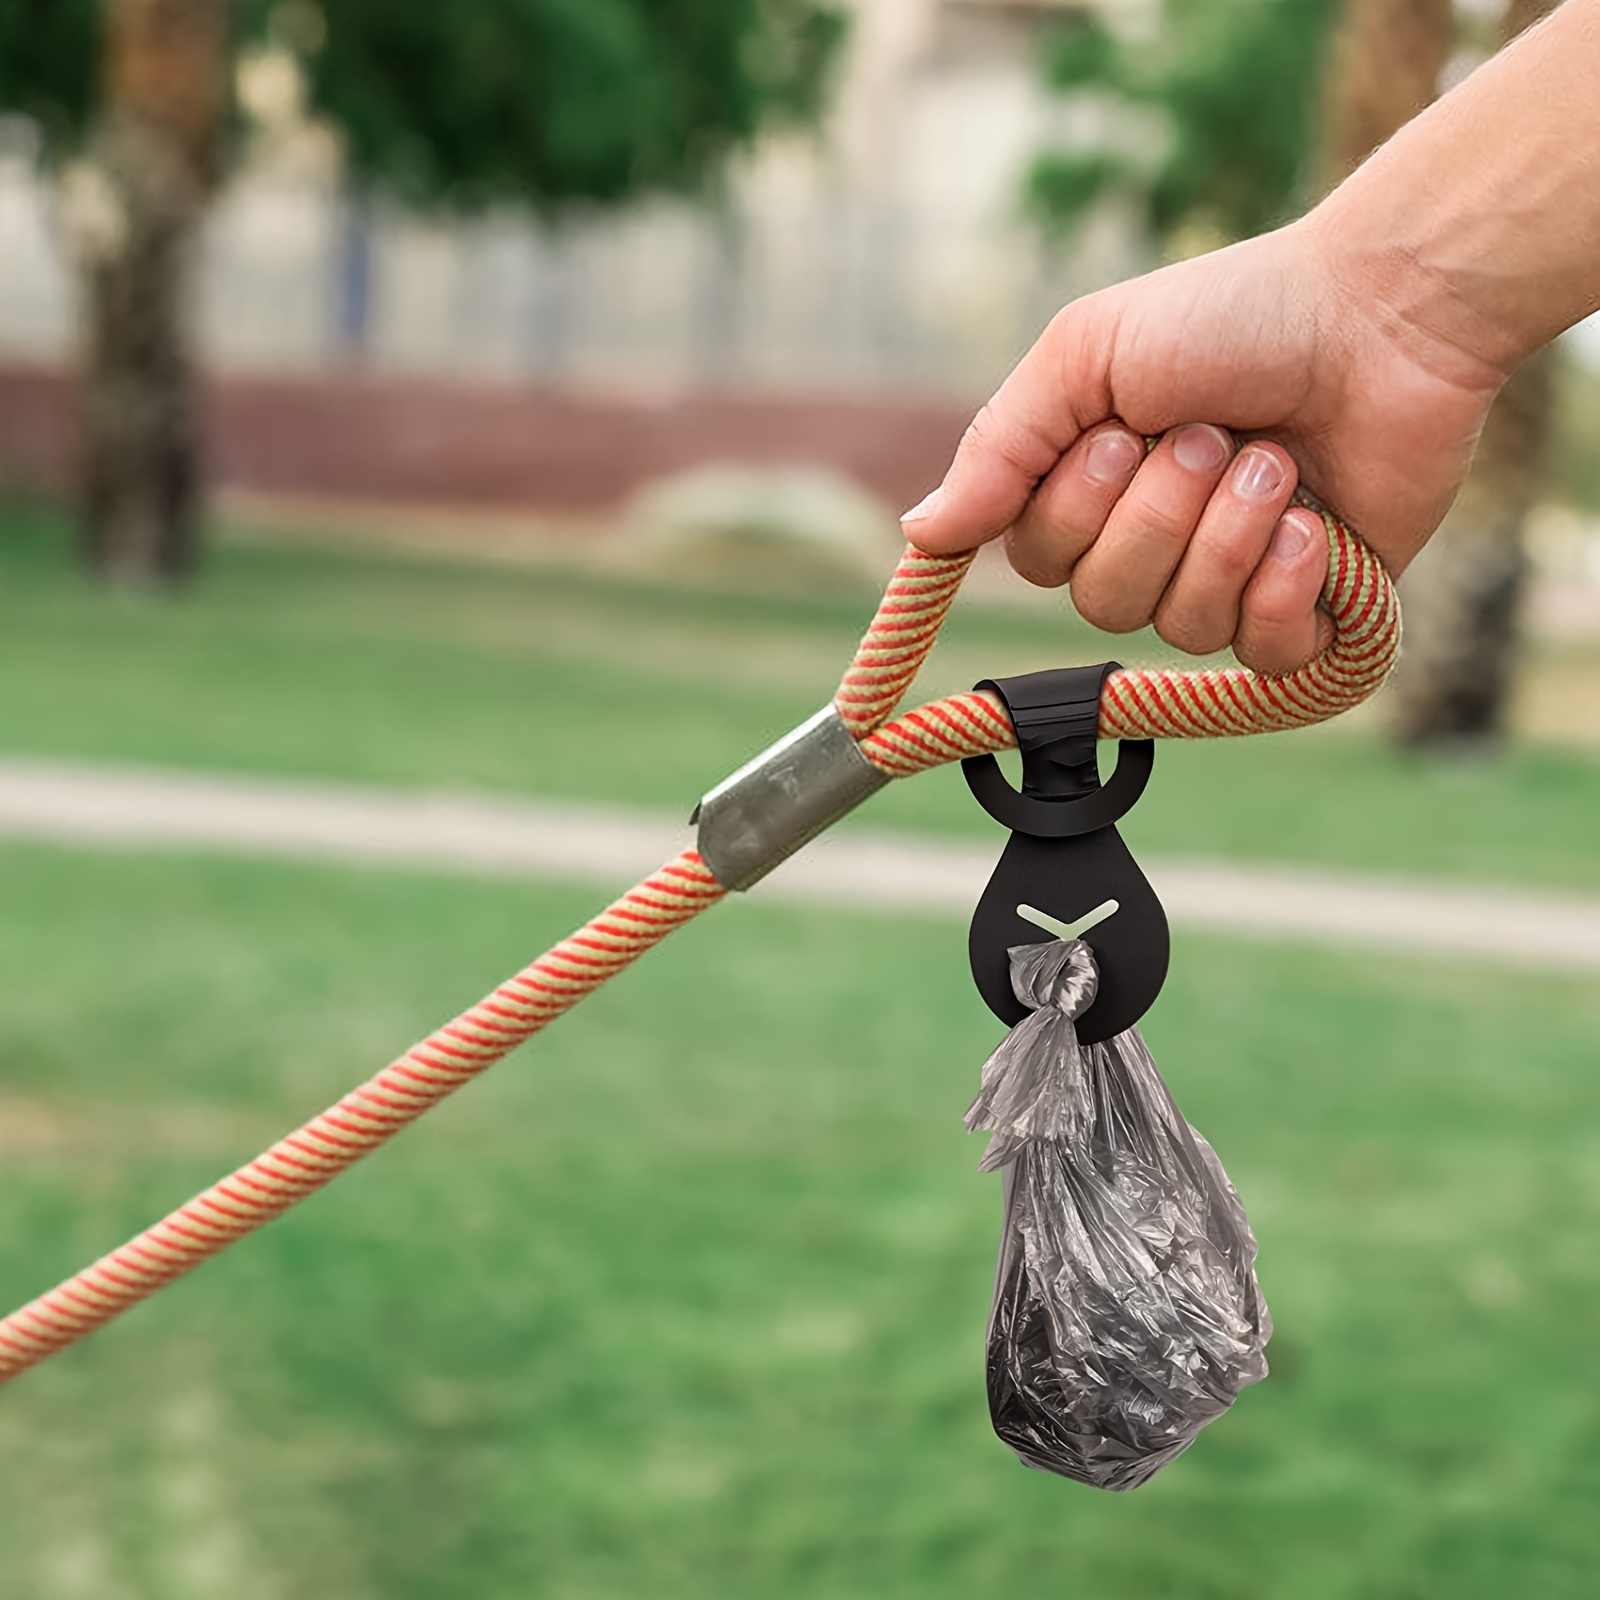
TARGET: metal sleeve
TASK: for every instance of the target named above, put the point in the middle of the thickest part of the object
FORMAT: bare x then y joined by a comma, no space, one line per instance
782,799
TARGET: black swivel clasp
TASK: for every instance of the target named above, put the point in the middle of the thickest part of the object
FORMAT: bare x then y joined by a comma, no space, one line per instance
1065,866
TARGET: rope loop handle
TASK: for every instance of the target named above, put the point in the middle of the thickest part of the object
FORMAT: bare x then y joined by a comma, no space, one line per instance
1137,702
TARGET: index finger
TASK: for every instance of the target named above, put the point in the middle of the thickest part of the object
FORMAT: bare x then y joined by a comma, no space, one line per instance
1058,389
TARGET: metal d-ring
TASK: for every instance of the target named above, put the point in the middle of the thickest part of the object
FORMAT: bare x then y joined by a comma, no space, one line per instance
1060,819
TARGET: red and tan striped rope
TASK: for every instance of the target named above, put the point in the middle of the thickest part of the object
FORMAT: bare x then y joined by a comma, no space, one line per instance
1137,704
367,1117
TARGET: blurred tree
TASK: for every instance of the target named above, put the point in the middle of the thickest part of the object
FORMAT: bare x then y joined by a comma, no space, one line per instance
555,100
546,102
154,158
1234,87
1386,60
49,64
1463,594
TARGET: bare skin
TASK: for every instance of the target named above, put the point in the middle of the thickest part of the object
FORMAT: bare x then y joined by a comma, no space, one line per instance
1359,349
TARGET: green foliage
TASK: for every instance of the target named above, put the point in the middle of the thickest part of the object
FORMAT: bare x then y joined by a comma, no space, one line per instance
1235,86
49,65
534,100
552,100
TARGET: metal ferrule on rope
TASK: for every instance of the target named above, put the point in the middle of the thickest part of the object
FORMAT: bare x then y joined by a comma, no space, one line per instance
760,815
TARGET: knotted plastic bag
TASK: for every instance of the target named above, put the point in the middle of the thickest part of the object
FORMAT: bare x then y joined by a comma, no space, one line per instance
1126,1312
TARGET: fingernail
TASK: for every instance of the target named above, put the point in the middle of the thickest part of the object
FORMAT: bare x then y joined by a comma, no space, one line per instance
1113,457
1199,447
1258,475
1292,537
926,506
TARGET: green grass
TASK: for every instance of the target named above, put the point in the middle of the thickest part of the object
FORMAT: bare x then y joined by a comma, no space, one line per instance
687,1298
409,672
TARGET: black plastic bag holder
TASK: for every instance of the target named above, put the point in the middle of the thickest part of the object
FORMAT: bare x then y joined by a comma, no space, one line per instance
1065,857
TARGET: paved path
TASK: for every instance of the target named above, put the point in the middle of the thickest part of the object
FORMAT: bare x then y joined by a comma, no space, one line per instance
608,846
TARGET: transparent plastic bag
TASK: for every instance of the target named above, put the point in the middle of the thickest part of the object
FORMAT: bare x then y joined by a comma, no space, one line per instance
1126,1312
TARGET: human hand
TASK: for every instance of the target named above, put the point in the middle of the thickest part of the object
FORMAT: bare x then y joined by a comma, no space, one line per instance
1269,363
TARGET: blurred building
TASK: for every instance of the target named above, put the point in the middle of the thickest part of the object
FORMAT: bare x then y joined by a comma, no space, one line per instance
888,250
843,302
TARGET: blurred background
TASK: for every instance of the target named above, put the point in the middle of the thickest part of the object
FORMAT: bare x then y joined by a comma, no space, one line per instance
436,444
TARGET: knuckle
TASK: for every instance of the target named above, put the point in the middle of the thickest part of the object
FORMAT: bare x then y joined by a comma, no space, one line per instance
1100,604
1269,610
1196,633
1250,654
1063,336
1276,634
1274,657
1041,574
1059,515
1166,523
1077,344
977,440
991,433
1231,561
1061,330
1037,555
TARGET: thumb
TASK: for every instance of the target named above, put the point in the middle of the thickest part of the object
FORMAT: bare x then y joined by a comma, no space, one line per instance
1057,390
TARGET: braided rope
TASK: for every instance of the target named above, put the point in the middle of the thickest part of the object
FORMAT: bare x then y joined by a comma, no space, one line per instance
1134,704
1161,703
894,647
367,1117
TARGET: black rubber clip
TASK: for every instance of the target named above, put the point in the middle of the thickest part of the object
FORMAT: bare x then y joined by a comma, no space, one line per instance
1065,861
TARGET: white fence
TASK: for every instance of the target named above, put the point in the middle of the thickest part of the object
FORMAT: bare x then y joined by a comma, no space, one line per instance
890,250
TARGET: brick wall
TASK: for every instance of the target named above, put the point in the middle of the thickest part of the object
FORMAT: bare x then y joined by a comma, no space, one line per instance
423,443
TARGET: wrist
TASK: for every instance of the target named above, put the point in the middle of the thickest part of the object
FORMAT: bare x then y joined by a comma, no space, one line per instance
1472,233
1390,266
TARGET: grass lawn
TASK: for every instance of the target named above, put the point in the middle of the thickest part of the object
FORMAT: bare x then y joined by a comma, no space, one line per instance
413,672
688,1297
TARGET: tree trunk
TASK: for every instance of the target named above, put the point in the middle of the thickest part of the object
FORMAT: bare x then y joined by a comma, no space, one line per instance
1387,57
153,160
1463,594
